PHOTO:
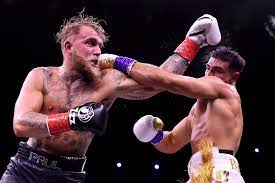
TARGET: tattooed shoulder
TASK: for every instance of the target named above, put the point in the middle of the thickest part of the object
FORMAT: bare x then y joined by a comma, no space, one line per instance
118,77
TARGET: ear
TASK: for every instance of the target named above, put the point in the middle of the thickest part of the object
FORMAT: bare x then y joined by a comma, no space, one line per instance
235,76
67,46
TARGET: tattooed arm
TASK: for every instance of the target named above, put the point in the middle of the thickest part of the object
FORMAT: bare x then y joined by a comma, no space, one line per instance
175,64
128,88
27,122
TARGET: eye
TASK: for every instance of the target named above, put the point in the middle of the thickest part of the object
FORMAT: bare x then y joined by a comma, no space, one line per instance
92,42
218,71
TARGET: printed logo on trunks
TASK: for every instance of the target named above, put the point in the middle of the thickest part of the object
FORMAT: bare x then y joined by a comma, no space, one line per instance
44,161
84,114
234,164
221,176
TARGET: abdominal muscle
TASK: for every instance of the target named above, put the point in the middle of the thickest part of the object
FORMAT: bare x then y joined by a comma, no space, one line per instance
71,143
217,135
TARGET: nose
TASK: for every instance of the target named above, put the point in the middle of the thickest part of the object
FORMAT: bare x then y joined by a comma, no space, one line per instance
97,50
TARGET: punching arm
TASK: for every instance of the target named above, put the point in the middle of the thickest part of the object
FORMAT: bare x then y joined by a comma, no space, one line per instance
209,87
204,31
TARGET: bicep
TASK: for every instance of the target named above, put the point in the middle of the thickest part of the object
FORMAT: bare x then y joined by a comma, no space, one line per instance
30,98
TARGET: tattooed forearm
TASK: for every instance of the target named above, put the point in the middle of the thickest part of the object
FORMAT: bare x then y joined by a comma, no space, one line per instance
31,124
175,64
34,120
66,137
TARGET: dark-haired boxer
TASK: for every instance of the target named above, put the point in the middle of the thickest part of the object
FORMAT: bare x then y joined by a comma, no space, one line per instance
215,123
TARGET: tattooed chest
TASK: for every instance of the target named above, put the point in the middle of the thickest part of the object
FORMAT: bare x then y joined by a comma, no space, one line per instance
63,98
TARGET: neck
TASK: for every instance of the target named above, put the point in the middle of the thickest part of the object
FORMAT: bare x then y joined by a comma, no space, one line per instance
69,72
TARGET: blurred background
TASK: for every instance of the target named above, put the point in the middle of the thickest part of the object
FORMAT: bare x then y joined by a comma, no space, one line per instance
149,31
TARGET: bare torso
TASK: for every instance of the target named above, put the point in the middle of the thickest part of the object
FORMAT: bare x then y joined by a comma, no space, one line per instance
219,119
60,96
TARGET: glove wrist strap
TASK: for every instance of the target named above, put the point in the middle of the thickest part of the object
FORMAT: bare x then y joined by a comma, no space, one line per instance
58,123
158,137
124,64
188,49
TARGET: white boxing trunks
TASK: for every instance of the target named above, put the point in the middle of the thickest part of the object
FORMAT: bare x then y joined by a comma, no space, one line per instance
226,167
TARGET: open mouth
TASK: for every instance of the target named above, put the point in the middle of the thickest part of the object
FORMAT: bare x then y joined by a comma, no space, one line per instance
93,62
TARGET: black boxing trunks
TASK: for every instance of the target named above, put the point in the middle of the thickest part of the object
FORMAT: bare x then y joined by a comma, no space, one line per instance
33,166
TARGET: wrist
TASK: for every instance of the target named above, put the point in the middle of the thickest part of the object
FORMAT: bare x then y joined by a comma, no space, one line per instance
58,123
158,138
188,49
124,64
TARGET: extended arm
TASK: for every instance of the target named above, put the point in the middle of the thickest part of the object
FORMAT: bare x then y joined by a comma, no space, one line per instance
127,87
204,31
205,87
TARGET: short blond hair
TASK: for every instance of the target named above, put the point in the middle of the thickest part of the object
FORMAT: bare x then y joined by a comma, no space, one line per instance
73,25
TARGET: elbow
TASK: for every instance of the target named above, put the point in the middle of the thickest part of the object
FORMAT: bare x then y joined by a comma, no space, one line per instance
145,93
171,150
150,92
18,127
18,131
168,150
167,145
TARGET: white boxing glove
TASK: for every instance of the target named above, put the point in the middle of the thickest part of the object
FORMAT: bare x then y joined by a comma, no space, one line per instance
204,31
149,129
123,64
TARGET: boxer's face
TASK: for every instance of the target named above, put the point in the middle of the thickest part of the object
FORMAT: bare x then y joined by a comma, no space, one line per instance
85,50
220,69
87,44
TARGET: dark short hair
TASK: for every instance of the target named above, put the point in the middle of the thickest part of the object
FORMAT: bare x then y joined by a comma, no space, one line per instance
226,54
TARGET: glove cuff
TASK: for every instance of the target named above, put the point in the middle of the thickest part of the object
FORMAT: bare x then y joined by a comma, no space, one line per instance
158,137
188,49
58,123
124,64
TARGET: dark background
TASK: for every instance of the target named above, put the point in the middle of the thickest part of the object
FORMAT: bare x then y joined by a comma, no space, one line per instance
148,30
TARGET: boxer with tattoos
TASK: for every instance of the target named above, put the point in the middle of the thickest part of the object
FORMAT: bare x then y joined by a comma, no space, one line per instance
61,109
